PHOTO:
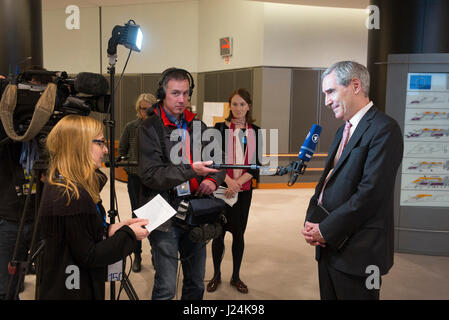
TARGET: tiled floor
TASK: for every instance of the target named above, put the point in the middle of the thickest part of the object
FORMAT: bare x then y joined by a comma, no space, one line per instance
278,264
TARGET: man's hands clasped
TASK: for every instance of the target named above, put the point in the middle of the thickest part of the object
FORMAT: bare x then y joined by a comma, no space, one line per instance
312,234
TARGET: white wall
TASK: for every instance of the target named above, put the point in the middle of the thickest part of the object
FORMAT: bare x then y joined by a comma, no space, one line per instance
305,36
273,34
71,50
241,20
186,34
170,36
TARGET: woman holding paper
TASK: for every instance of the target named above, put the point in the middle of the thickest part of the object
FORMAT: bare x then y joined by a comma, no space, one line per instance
239,136
79,244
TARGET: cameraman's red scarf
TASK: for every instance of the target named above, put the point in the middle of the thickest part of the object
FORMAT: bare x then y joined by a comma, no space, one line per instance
236,155
189,117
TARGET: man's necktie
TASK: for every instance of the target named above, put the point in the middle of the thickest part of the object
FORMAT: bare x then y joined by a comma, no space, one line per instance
343,143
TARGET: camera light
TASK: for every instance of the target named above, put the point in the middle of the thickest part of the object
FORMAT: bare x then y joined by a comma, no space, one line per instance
130,35
139,39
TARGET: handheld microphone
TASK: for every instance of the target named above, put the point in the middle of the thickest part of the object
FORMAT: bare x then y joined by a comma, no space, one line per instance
264,171
309,145
234,166
295,168
305,154
91,83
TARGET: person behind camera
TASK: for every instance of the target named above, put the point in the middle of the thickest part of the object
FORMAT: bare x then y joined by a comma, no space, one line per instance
239,132
14,188
13,191
128,149
174,179
79,244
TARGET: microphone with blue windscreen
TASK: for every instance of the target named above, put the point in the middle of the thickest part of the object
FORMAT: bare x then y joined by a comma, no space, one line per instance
295,168
309,145
305,154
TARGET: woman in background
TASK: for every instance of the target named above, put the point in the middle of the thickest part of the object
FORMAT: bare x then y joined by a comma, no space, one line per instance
128,149
79,244
240,135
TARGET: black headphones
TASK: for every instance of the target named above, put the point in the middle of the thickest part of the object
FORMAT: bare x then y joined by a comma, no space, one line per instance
160,93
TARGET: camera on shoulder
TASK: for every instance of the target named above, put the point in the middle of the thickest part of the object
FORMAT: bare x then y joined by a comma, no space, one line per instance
204,217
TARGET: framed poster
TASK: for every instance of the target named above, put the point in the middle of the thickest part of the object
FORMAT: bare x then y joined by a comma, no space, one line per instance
425,166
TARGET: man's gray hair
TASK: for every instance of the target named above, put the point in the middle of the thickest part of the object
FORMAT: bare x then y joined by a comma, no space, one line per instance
348,70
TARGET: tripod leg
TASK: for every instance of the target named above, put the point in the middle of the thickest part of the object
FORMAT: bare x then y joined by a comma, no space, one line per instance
126,284
14,263
130,292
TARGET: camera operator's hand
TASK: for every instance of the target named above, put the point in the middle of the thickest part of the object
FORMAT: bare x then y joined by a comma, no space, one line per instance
206,187
2,77
201,169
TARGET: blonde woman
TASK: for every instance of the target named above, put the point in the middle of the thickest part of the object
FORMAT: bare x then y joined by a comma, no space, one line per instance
79,244
128,148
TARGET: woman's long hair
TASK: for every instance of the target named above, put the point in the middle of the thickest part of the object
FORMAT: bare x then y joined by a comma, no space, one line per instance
71,164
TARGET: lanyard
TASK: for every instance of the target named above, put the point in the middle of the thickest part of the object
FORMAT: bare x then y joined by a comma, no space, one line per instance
102,216
182,130
185,140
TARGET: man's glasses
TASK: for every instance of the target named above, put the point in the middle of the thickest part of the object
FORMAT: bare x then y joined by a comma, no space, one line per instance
101,143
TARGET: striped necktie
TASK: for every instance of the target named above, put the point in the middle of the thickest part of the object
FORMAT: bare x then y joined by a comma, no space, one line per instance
343,143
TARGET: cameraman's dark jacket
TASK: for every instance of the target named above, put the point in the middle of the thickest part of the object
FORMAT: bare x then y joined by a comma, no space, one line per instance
158,174
12,175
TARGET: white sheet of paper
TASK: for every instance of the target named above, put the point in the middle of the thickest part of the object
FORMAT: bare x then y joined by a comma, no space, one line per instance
219,193
157,211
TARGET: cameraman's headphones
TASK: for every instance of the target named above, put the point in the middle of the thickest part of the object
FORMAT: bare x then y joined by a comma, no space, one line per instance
160,93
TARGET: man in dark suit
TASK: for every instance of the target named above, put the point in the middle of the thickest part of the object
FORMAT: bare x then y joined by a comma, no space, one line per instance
354,242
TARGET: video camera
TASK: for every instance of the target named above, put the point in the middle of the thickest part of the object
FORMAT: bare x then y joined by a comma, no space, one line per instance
34,101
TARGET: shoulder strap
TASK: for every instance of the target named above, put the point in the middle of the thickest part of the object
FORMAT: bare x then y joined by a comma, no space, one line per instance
159,127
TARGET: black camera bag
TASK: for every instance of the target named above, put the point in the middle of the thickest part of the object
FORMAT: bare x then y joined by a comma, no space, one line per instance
204,210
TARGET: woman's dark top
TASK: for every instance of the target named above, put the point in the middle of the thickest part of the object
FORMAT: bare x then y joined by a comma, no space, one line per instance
237,215
75,240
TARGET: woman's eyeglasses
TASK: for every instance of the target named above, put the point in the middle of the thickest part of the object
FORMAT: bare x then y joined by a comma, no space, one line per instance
101,143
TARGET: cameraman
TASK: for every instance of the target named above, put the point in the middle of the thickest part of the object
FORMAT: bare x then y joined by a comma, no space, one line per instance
160,175
13,186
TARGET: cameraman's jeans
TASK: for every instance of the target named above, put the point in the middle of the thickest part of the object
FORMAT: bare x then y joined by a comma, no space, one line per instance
8,237
164,247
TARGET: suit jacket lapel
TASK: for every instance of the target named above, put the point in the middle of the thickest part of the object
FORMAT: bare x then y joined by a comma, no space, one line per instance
361,128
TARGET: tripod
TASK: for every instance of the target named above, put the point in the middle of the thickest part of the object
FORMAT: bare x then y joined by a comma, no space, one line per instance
113,212
17,268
